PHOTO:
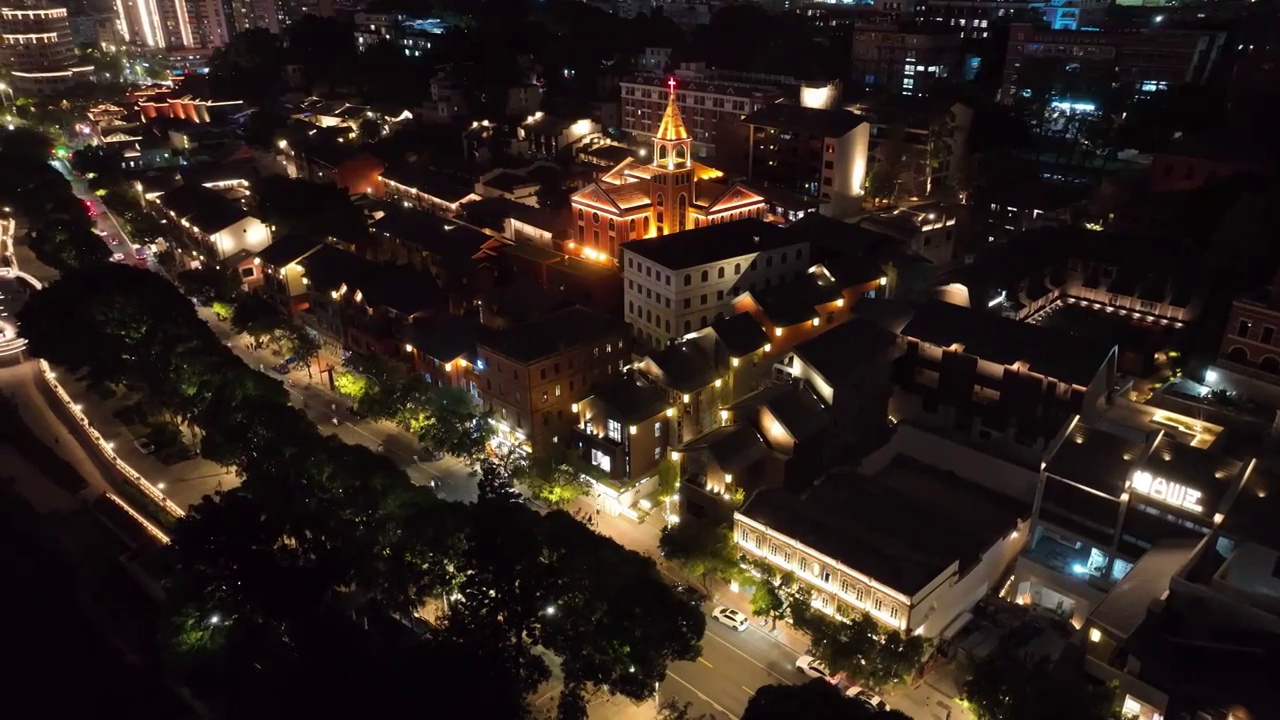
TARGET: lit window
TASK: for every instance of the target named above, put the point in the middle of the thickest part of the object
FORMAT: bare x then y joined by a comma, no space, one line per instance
557,391
657,429
614,430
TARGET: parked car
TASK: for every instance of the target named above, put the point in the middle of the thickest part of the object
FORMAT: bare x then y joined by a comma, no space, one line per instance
144,446
282,368
814,668
870,699
118,257
730,617
690,593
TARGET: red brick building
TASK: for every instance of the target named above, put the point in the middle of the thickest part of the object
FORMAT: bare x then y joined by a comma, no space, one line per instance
670,194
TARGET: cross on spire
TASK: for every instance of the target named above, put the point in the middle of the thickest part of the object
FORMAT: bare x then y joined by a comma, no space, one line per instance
672,125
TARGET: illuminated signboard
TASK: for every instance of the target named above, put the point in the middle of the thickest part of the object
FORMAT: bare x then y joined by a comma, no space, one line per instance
1167,492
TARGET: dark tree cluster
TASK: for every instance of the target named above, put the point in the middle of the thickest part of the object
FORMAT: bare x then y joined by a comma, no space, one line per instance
303,586
59,230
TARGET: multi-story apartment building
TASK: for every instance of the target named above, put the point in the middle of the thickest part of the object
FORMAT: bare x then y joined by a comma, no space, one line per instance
669,195
677,284
704,102
975,19
37,50
817,152
534,373
412,34
906,58
1144,61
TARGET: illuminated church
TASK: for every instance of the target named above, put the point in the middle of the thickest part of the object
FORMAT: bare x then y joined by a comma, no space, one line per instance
670,194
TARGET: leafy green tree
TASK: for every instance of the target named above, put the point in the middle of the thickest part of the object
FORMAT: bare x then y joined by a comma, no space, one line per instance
704,548
301,344
672,709
558,484
257,317
775,592
454,425
1006,686
351,385
210,284
668,478
859,647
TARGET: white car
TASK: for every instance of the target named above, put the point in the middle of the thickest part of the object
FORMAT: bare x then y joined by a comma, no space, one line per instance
144,446
729,616
814,668
872,700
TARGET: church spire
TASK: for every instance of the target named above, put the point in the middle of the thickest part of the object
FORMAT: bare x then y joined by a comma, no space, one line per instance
672,127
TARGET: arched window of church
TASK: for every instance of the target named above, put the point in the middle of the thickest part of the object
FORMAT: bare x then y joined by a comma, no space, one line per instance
658,200
682,210
681,154
662,153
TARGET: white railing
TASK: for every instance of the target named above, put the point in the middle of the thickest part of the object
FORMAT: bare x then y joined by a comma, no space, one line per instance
106,448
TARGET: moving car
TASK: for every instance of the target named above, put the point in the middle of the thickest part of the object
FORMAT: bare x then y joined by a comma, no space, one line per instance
870,699
117,256
730,617
144,446
282,368
814,668
140,253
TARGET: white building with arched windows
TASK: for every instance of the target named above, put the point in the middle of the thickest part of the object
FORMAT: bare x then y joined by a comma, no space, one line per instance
678,284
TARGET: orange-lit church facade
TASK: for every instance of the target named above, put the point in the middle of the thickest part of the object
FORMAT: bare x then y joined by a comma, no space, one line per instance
670,194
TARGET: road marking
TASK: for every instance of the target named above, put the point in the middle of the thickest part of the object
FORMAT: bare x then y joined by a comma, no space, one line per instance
750,692
697,692
704,662
750,659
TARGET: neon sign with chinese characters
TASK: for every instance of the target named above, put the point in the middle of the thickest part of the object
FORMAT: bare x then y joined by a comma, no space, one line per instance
1167,492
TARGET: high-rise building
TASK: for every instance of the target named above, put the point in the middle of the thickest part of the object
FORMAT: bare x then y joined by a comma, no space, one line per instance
37,49
906,58
154,23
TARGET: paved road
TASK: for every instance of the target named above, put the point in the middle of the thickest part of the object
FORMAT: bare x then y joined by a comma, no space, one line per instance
732,666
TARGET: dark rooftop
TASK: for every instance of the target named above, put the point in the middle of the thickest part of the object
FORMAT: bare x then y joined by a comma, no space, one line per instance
708,244
554,333
811,121
288,249
1002,340
684,367
1095,458
610,154
428,181
793,405
740,334
432,233
631,401
903,527
797,301
448,337
733,447
841,350
208,211
509,182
